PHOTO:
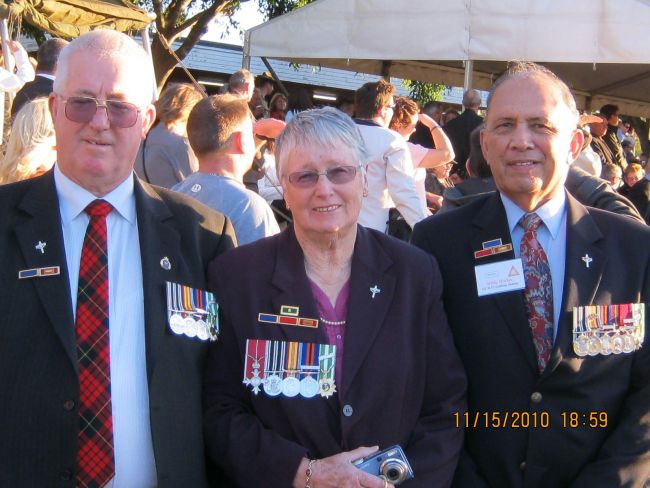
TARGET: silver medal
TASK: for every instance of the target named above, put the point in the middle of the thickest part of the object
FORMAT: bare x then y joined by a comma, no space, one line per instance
273,385
628,343
617,344
190,327
593,347
580,345
202,330
177,324
290,386
309,387
605,345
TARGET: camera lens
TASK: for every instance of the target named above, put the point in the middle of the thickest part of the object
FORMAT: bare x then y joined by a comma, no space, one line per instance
394,470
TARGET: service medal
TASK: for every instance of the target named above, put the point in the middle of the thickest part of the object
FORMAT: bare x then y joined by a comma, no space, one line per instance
326,387
605,345
177,324
190,327
593,347
202,330
290,386
628,343
309,387
273,385
617,344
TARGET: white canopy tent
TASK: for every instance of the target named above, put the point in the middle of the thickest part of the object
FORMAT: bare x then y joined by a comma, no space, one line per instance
597,46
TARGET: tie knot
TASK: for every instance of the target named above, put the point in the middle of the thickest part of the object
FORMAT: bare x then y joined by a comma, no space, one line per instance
530,222
98,208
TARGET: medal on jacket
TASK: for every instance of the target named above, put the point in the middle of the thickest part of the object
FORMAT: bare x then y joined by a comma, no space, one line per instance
326,369
309,386
272,367
255,357
608,329
290,383
192,312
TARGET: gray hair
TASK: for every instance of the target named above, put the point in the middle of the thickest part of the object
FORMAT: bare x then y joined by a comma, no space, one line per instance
472,99
109,44
527,69
324,127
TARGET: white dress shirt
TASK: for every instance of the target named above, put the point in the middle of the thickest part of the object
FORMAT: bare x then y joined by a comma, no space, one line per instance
133,448
552,238
390,178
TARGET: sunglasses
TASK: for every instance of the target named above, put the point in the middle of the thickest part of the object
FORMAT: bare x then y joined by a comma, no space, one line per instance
82,110
338,175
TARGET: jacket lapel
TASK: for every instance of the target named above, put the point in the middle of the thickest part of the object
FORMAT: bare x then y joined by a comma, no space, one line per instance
41,223
158,240
371,293
491,223
585,263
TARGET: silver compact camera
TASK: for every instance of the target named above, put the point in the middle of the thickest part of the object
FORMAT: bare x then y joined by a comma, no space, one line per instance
390,464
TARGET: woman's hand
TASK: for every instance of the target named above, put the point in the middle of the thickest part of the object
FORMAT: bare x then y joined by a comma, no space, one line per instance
338,472
428,121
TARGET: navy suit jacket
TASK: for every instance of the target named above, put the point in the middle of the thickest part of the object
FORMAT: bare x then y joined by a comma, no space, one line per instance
495,343
39,420
402,379
38,87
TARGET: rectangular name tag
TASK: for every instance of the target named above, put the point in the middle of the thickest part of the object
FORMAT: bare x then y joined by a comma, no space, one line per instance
499,277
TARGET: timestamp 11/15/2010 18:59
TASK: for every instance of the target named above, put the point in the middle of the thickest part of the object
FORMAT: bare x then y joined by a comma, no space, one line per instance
530,420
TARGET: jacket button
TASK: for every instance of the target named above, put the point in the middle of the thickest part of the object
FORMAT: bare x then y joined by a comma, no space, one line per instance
66,475
348,410
536,397
68,405
522,465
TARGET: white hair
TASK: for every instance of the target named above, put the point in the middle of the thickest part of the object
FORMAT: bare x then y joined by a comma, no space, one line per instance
109,44
324,127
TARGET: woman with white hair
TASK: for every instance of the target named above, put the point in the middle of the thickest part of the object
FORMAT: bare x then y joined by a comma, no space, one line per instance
334,342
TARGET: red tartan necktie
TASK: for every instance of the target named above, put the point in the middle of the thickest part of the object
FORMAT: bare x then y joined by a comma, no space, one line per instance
539,290
96,465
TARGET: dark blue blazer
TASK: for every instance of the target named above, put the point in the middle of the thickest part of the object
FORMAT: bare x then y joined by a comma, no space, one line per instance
494,340
39,420
402,379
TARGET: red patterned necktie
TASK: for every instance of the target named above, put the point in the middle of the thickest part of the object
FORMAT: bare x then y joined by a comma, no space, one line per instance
96,465
539,289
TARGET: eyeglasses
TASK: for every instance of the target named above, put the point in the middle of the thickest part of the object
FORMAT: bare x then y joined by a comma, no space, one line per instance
82,109
338,175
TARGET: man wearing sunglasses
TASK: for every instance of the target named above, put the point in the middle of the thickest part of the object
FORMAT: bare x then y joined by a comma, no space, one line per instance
98,389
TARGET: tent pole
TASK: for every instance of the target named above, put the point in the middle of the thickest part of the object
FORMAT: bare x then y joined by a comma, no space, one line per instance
146,44
246,51
469,67
283,89
385,70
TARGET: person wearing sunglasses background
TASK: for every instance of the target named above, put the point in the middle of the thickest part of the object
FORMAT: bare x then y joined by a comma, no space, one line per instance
98,390
337,331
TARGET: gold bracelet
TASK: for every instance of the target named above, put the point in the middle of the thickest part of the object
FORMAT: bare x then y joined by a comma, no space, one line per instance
309,472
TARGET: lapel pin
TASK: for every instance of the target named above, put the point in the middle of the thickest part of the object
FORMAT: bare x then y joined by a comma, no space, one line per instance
165,263
41,246
495,246
587,259
38,272
374,290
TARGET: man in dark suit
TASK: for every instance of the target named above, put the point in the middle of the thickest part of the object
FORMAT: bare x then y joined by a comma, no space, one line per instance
459,129
41,86
543,410
124,410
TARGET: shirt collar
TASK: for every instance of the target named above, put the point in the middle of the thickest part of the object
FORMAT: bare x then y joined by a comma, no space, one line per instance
46,75
74,198
551,213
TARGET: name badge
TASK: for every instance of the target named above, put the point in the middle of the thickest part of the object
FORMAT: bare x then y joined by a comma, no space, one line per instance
499,277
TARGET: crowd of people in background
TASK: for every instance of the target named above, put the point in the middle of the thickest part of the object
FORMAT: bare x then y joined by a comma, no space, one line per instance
438,164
